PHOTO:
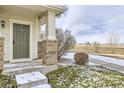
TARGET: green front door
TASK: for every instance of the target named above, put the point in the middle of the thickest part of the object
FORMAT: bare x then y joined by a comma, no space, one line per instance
20,41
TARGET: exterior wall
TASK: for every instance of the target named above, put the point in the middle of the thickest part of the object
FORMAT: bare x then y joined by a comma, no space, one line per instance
6,35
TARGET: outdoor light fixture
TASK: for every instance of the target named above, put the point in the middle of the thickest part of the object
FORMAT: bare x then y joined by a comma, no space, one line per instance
2,23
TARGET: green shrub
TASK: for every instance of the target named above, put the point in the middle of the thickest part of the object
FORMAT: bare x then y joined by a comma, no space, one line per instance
7,82
85,77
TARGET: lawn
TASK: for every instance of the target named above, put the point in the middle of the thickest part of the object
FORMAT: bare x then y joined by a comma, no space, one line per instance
85,77
7,82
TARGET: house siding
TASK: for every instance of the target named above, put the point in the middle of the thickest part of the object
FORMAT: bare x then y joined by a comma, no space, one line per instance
6,35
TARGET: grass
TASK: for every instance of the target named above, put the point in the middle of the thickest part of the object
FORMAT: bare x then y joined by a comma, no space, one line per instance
7,82
104,50
85,77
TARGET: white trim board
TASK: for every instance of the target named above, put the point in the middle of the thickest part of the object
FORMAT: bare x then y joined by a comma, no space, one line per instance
11,39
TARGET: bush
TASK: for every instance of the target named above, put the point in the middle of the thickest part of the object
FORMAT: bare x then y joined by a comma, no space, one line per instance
85,77
7,82
67,77
81,58
65,41
1,67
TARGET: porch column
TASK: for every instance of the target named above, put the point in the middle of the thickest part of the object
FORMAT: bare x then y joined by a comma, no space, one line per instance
50,26
50,42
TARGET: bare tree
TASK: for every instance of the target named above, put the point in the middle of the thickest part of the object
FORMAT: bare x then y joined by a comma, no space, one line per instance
65,41
113,40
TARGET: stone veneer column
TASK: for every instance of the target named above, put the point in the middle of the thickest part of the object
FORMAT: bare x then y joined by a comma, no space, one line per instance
49,52
1,48
1,53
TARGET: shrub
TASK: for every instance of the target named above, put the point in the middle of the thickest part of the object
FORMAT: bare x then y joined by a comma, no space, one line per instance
85,77
81,58
66,41
1,67
7,82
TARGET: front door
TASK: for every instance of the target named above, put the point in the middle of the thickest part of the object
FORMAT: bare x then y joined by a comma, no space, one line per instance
20,41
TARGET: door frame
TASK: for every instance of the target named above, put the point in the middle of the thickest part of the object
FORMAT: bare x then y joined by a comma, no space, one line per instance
11,40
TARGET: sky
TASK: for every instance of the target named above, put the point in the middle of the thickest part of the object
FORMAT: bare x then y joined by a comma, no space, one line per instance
89,23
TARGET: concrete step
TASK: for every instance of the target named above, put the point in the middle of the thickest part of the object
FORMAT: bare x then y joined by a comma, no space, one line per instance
21,64
42,68
32,79
24,69
43,86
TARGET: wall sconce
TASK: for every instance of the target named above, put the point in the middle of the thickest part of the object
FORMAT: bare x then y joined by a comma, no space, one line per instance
2,23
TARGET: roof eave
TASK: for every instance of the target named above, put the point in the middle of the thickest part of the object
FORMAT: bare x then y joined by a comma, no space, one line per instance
59,10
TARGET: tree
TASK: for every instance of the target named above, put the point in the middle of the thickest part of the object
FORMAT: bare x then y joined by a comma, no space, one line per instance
65,41
113,40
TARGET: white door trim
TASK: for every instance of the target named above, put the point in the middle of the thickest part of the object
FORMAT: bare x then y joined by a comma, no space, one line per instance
11,40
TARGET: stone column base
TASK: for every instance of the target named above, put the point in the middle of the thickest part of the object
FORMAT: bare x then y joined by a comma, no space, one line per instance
1,48
1,53
49,52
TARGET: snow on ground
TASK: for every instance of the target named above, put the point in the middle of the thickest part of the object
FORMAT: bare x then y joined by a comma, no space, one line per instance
102,58
70,55
108,59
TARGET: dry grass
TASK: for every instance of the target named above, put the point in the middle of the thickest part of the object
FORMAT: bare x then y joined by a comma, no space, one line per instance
106,51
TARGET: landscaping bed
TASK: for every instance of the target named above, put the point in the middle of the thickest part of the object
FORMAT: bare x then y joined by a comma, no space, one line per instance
7,82
85,77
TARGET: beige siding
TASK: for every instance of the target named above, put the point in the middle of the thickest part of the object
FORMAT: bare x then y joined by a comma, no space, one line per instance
6,35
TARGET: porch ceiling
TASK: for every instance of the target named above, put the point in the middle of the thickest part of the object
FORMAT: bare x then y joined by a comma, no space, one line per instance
26,10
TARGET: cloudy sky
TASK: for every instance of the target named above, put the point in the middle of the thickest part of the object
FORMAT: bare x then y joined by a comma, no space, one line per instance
93,23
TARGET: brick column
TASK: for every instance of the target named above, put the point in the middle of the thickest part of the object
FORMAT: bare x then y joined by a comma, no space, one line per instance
49,52
1,53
